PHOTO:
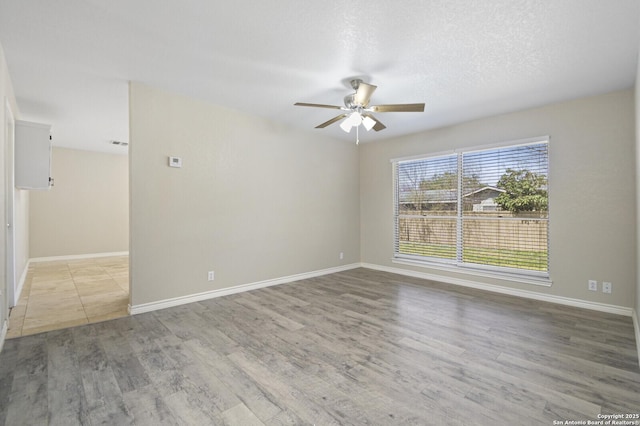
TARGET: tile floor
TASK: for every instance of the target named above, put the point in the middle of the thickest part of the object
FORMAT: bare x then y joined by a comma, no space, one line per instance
61,294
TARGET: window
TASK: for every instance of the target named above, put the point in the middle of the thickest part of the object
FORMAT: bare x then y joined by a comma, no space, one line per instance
480,208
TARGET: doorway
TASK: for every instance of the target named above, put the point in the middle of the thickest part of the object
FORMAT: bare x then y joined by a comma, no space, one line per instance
78,245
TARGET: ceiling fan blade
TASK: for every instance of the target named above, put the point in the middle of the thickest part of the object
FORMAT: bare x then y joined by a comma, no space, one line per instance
378,126
363,94
398,108
333,120
317,105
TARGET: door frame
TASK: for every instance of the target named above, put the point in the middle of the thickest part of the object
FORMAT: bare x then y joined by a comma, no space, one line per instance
10,234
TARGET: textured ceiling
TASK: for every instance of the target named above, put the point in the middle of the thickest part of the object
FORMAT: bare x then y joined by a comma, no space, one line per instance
70,61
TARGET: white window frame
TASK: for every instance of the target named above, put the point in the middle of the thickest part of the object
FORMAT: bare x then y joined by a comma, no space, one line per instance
456,265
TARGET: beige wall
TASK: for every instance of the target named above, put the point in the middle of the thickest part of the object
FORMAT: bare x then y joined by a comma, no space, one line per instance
253,200
21,227
87,211
592,195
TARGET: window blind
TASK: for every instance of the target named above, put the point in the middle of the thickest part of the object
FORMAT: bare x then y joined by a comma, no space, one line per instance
486,208
427,197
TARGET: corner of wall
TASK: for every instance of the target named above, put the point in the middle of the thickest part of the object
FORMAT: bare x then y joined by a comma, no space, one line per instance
3,334
636,327
637,146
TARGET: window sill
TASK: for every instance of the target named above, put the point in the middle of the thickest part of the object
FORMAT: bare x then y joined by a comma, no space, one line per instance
541,280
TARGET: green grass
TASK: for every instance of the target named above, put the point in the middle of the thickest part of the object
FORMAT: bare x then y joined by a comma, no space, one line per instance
431,250
530,260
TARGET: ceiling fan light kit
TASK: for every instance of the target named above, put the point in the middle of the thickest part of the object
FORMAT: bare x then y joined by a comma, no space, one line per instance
358,111
368,123
346,126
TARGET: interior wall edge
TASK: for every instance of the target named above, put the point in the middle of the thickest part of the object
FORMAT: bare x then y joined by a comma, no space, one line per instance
567,301
21,281
636,327
3,334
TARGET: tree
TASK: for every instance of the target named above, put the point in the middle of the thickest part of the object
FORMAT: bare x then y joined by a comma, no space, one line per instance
525,191
449,180
446,180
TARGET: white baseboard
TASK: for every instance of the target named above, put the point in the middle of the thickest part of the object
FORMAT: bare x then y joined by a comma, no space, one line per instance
167,303
636,327
23,278
3,334
78,256
602,307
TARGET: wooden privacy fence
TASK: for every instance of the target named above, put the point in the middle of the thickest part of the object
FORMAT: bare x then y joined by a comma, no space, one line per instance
509,233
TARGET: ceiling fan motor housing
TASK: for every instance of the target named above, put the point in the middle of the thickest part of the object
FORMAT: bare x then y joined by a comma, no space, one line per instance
350,101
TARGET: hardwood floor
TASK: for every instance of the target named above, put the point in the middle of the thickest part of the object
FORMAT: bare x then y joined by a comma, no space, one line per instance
65,293
352,348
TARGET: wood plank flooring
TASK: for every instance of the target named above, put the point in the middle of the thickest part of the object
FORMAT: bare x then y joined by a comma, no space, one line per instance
65,293
359,347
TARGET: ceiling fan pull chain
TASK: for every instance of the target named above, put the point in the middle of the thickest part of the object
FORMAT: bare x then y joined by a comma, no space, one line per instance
357,135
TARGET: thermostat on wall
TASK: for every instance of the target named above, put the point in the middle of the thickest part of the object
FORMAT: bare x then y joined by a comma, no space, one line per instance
175,162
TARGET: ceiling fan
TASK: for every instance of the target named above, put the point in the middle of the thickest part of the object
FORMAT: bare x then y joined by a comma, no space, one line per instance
357,110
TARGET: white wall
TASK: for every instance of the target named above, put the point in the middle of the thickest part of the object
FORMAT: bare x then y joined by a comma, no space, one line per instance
253,200
86,211
592,194
6,95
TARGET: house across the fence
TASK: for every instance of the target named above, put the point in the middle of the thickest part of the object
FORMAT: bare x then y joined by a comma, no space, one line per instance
483,199
480,200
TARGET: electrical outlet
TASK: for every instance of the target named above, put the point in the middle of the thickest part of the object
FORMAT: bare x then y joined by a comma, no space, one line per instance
211,276
341,255
593,285
606,287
